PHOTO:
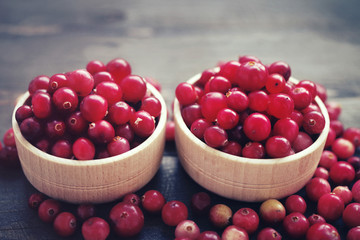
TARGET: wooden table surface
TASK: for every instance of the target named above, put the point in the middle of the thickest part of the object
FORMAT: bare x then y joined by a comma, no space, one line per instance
169,41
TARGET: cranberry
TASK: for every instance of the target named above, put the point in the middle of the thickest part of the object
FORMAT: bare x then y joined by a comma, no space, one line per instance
351,215
268,233
316,218
8,138
275,83
330,206
102,76
237,100
48,210
248,58
119,113
133,88
191,113
330,138
119,68
199,126
153,201
62,148
344,193
215,136
278,147
142,123
247,219
95,66
200,203
170,131
314,122
35,200
125,131
9,157
23,112
251,76
321,92
205,76
55,128
334,109
253,150
118,145
76,123
317,187
353,233
187,229
227,118
65,224
352,134
234,232
211,103
132,198
282,68
173,212
354,161
272,211
287,128
229,70
233,148
295,203
296,225
280,105
322,173
219,84
209,235
127,219
257,127
93,107
327,159
39,82
83,149
342,173
343,148
101,131
337,126
65,99
220,215
258,101
301,142
110,91
356,191
81,81
85,211
310,86
41,105
151,105
43,145
324,231
95,228
301,96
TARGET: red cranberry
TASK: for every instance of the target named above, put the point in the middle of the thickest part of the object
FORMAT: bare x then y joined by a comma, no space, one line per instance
118,145
132,198
62,148
268,233
334,109
215,136
301,142
272,211
301,96
356,191
211,103
85,211
237,100
295,203
23,112
95,228
219,84
102,76
153,201
227,118
55,129
119,113
353,233
258,101
313,122
95,66
125,131
337,126
247,219
324,231
187,229
76,123
342,173
233,148
65,99
200,203
209,235
234,232
83,149
35,200
101,131
199,126
296,225
287,128
127,219
343,148
316,218
170,131
344,193
9,157
119,68
322,173
248,58
354,161
353,135
327,159
151,105
282,68
133,88
41,105
330,138
93,107
351,215
257,127
81,81
317,187
330,206
174,212
220,215
275,83
8,138
110,91
278,147
65,224
229,70
281,105
251,76
39,82
253,150
48,210
142,123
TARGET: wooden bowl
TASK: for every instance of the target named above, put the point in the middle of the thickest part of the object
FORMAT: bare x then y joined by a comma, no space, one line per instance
92,181
246,179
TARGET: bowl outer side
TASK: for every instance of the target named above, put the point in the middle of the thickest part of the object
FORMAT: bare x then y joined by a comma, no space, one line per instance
243,178
95,181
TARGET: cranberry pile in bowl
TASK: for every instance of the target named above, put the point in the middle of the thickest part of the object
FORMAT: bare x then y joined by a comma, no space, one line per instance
249,131
90,135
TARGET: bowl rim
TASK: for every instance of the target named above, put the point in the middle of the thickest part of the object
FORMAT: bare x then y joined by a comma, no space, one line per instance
266,161
93,162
